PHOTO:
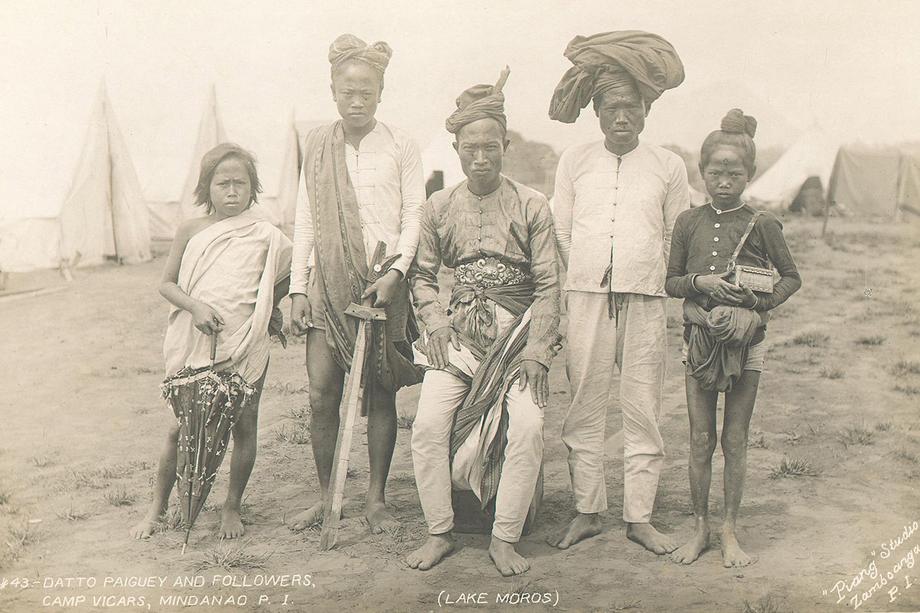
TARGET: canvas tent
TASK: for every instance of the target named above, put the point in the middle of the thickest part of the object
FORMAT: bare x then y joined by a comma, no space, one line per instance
103,215
809,159
876,181
280,208
166,215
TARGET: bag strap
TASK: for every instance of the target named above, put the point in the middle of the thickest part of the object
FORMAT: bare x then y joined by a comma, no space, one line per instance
744,237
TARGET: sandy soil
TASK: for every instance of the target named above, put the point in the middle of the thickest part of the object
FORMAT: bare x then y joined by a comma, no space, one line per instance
83,424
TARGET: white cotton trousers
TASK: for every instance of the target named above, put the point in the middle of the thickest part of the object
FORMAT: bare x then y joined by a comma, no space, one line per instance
636,342
441,396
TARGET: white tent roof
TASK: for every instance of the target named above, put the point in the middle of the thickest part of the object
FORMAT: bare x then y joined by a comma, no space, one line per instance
812,155
103,214
210,134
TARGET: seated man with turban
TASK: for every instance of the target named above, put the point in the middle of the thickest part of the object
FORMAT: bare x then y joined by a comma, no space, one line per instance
478,426
615,204
362,184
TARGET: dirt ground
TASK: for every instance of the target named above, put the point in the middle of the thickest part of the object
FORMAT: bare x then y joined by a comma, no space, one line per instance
83,423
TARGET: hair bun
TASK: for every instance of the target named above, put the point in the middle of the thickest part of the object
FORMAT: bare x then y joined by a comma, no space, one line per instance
736,122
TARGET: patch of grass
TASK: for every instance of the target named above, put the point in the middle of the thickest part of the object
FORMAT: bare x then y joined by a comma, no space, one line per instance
811,339
299,413
405,422
855,435
19,537
763,605
88,479
815,429
795,467
230,558
871,341
4,498
71,514
832,372
287,388
883,426
910,390
792,437
757,441
902,368
98,478
40,461
171,521
119,497
906,456
298,434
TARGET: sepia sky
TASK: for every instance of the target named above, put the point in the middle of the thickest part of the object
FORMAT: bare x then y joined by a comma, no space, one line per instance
850,67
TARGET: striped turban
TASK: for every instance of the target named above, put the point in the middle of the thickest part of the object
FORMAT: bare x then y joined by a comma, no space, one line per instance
612,60
480,102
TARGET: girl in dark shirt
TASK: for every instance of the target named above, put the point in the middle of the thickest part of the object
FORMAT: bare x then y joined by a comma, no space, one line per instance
702,245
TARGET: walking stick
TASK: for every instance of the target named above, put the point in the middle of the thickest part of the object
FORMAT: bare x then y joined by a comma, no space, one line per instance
352,400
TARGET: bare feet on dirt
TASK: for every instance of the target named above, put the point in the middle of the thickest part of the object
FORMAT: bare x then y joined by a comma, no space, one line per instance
693,548
732,554
146,527
379,519
435,549
508,561
309,518
231,525
647,536
585,525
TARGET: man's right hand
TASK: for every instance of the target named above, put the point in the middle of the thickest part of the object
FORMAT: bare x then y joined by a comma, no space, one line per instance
300,314
439,346
720,290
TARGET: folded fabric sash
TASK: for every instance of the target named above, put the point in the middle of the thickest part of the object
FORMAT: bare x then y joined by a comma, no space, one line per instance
341,269
718,344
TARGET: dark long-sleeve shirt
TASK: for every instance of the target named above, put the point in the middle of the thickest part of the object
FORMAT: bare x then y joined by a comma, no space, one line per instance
703,242
512,224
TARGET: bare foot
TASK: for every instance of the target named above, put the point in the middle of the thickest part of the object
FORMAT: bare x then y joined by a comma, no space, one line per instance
507,560
435,549
646,535
732,554
146,527
585,525
309,518
379,519
231,526
691,550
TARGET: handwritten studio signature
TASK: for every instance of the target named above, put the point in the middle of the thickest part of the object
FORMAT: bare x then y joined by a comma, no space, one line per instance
885,573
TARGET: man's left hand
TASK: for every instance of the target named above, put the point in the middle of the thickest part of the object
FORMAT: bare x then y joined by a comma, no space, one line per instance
384,288
536,376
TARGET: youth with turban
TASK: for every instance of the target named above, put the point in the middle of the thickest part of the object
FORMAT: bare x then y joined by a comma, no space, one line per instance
479,424
615,204
363,184
348,47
